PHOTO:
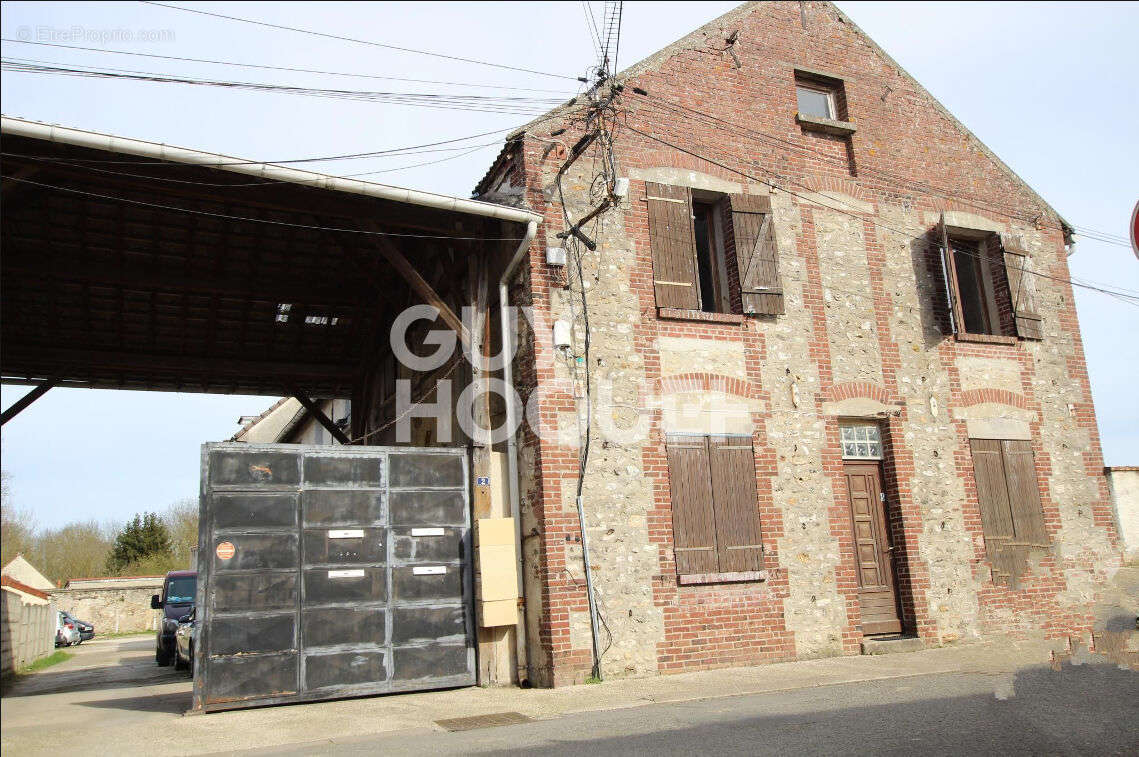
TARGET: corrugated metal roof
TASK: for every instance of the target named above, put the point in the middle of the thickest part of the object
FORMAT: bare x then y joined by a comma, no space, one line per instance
95,140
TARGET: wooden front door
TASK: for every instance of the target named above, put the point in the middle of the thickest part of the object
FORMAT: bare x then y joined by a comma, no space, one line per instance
873,551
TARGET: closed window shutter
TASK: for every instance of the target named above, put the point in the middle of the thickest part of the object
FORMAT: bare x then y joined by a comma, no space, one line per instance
757,256
738,539
996,515
1022,288
1023,493
1011,516
949,276
673,244
693,519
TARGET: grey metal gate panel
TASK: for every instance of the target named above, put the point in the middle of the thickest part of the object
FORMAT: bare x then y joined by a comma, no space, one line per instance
331,571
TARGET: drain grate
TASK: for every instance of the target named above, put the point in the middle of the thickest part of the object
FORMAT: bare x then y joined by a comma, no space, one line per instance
483,721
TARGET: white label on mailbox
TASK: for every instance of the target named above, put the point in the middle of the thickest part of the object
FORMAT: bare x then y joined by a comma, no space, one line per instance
354,533
427,532
346,573
430,570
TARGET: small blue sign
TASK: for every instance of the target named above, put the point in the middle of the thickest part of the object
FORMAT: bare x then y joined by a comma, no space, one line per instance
482,481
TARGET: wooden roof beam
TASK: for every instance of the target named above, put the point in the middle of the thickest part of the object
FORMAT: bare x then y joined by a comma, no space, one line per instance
419,285
22,403
321,418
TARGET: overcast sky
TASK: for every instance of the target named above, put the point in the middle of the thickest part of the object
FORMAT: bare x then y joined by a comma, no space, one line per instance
1048,86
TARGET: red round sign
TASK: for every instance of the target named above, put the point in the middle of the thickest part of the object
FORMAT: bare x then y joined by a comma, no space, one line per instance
225,550
1135,230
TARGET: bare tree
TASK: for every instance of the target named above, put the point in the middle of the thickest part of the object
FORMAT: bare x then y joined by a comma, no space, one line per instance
182,523
17,526
81,549
77,550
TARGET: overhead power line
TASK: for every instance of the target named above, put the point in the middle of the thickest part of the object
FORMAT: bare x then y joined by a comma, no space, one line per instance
395,151
463,152
1123,296
270,222
480,103
364,42
392,152
267,67
594,34
1102,236
882,176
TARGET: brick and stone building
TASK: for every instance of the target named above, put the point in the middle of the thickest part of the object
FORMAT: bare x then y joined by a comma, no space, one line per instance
836,379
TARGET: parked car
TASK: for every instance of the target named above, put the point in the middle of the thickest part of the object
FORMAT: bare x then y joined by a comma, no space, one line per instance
86,630
66,634
176,600
184,641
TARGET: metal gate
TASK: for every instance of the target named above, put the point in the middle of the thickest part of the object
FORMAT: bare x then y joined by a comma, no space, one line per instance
330,572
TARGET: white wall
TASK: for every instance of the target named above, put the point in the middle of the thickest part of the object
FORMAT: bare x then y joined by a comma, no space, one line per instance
1124,481
23,571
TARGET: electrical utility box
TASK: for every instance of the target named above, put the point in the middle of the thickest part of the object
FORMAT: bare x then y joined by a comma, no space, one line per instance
328,572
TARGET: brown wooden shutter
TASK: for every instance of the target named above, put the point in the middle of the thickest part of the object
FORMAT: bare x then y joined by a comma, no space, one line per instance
996,515
1011,516
1022,287
673,243
693,519
1023,493
738,540
757,256
949,274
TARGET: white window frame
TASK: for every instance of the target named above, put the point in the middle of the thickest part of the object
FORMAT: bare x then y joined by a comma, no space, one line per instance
823,89
861,441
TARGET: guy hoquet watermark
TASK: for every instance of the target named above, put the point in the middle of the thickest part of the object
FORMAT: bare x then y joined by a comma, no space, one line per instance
100,35
621,411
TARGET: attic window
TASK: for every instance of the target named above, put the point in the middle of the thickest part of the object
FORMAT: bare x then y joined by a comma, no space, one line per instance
821,103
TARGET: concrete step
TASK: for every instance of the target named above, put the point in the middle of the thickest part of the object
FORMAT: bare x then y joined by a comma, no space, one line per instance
891,644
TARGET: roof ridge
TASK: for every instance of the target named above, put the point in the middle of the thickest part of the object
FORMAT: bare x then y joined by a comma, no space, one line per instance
21,586
259,418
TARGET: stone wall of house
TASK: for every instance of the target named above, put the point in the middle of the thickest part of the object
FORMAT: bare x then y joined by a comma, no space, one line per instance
111,610
863,335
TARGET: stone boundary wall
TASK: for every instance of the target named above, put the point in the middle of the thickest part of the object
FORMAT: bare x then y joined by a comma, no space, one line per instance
118,610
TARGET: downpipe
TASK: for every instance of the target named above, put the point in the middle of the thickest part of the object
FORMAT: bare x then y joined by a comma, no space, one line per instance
521,651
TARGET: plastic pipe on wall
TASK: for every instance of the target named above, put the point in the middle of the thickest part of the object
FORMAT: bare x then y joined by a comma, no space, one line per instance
512,440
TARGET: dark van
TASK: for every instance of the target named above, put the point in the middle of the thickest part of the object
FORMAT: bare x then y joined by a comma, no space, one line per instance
176,600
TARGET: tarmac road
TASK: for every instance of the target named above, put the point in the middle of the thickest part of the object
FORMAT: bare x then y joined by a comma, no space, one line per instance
111,698
1085,709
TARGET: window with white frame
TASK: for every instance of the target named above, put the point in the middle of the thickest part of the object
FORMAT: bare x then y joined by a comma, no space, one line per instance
861,441
816,100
